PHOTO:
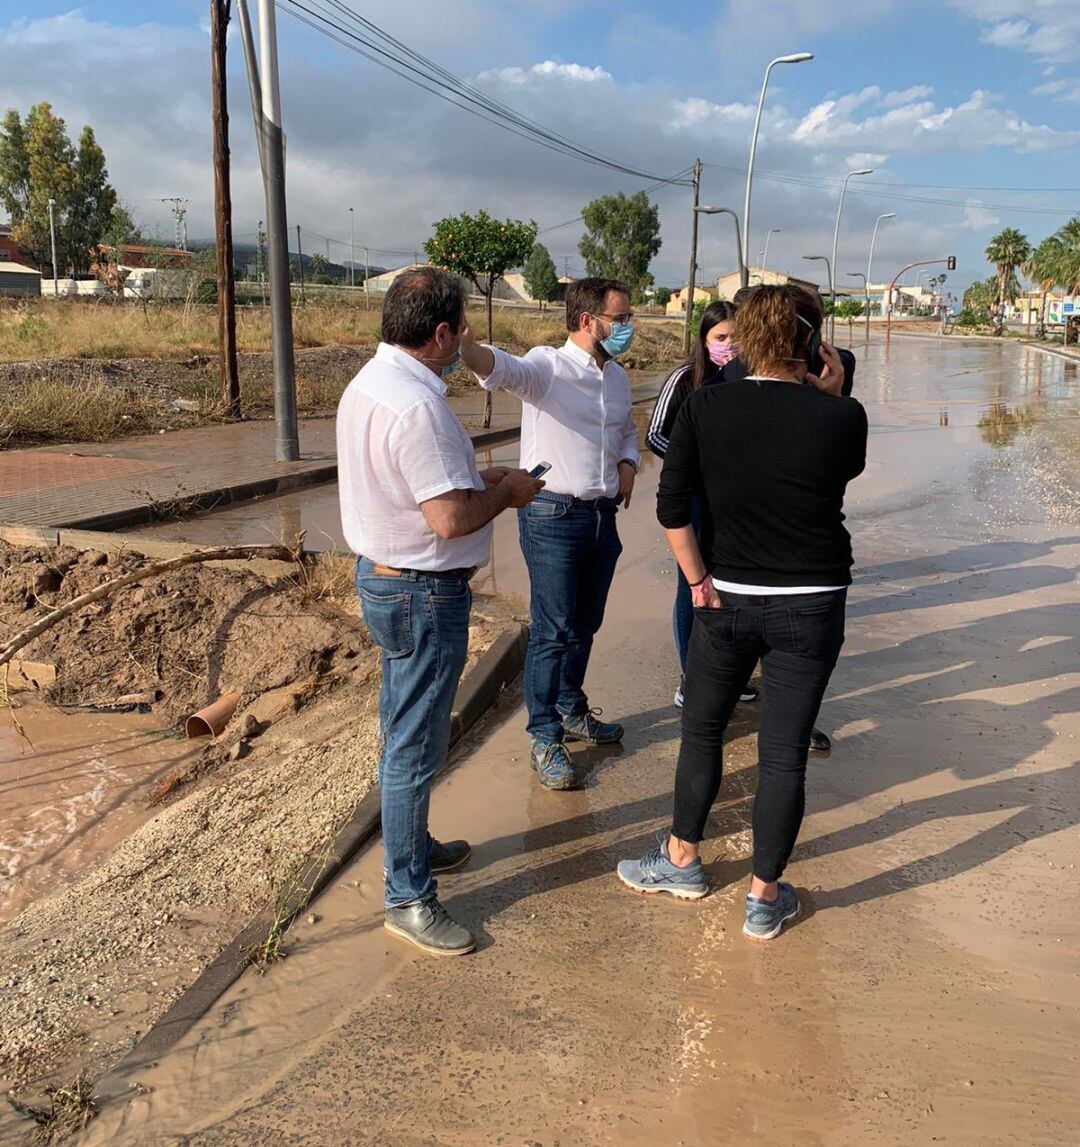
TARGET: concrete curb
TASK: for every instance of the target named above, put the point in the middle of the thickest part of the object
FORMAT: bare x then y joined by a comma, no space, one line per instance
476,694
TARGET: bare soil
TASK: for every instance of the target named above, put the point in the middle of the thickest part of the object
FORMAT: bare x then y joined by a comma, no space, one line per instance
87,968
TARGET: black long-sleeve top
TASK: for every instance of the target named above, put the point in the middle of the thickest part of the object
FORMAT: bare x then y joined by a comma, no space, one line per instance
772,460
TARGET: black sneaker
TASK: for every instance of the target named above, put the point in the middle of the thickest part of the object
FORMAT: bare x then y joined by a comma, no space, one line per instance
819,742
750,693
429,927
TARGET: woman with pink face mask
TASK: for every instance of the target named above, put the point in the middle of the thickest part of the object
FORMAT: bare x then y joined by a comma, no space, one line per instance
712,350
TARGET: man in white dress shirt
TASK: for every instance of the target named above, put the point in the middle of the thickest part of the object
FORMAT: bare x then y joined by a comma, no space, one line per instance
577,415
416,511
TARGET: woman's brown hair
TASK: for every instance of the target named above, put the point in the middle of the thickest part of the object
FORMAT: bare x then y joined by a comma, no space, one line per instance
719,311
768,327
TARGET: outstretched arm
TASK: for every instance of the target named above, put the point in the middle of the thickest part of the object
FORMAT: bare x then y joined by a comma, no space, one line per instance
529,378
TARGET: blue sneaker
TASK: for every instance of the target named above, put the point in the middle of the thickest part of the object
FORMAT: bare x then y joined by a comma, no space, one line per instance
586,727
552,764
654,872
765,918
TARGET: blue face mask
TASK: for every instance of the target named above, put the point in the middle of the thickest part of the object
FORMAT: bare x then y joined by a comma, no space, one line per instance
622,335
451,366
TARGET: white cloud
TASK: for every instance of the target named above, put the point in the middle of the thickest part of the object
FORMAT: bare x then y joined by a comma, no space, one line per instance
1046,29
907,96
858,160
694,113
978,217
547,69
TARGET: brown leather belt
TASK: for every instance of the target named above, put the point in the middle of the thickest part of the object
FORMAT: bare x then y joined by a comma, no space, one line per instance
464,573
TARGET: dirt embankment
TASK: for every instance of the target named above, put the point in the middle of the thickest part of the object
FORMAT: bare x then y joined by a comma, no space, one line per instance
85,970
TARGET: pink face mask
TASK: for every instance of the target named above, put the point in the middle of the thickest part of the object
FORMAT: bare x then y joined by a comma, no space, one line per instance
720,354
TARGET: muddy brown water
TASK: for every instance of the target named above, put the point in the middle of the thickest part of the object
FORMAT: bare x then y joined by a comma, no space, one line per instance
71,786
929,993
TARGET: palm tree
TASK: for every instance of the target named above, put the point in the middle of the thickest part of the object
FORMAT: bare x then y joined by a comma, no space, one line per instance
1007,251
1068,239
1045,268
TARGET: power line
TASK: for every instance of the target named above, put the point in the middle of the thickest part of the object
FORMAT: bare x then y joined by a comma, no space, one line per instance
386,52
867,189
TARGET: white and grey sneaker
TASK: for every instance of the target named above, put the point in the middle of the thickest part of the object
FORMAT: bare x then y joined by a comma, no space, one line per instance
765,918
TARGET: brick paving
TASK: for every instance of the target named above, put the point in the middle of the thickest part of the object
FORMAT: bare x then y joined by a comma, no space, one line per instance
78,484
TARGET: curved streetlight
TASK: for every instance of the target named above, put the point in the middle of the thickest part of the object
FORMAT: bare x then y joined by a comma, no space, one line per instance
738,240
866,290
794,58
836,237
765,250
828,267
873,240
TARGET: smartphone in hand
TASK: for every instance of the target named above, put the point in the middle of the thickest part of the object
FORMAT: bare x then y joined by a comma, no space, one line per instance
540,469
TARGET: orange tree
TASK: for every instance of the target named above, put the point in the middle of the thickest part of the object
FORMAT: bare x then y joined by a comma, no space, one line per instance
482,250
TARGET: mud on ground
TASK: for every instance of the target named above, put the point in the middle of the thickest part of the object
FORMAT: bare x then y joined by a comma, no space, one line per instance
86,970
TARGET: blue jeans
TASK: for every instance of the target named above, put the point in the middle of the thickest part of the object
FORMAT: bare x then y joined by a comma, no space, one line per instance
683,614
570,549
421,624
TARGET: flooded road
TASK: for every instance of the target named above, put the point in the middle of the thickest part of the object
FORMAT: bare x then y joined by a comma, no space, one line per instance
71,786
928,993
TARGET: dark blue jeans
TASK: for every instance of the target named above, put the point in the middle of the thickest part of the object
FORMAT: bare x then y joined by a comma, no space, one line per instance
683,615
421,624
571,549
798,640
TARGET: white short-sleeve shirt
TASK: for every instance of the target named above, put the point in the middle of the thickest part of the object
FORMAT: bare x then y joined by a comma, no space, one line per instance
399,444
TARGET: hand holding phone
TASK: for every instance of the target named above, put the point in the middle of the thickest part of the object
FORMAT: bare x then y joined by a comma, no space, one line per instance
540,469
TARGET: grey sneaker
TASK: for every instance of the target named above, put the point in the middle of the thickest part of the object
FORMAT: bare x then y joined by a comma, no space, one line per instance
654,872
765,918
552,764
429,927
586,727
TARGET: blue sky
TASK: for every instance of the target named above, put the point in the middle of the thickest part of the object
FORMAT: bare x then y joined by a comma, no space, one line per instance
968,94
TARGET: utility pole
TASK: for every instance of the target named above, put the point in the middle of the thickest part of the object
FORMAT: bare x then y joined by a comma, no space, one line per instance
52,240
693,259
266,108
367,275
260,263
220,11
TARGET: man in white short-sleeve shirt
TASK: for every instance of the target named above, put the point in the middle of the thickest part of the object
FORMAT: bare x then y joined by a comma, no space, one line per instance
416,511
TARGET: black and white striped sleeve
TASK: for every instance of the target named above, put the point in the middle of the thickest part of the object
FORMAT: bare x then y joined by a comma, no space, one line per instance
672,396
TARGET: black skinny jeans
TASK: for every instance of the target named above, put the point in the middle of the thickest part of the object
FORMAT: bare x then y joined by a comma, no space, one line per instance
797,639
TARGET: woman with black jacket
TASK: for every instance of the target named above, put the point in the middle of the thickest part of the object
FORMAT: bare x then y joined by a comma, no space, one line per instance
713,349
772,454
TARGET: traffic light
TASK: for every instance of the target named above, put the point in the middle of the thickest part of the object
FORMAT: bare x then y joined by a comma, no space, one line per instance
952,263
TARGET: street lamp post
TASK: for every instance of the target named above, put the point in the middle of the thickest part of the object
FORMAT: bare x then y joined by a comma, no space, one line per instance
828,267
52,241
765,250
836,239
352,251
739,239
795,58
866,290
873,240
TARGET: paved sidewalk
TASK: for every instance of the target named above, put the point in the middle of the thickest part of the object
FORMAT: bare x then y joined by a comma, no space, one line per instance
114,485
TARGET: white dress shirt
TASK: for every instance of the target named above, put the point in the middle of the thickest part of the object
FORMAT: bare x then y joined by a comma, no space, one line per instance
575,416
399,444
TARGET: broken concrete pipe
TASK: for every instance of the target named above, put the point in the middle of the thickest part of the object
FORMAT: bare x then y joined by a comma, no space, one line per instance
211,720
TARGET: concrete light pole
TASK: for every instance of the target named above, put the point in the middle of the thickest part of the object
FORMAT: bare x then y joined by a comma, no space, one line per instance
352,251
873,240
739,240
794,58
765,249
866,289
828,267
836,240
52,239
266,107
